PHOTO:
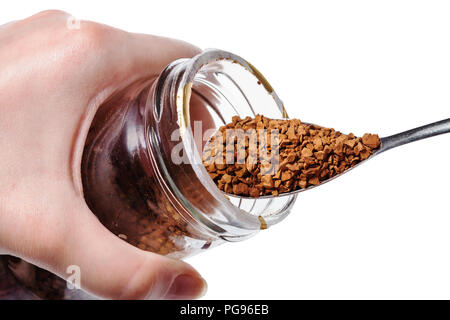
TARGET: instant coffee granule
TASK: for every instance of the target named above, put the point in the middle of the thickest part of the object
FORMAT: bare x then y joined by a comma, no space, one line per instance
306,155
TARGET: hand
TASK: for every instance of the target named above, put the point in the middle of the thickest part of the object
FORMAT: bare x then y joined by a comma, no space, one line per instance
53,77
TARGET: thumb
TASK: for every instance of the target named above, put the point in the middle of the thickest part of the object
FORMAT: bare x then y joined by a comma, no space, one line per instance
113,269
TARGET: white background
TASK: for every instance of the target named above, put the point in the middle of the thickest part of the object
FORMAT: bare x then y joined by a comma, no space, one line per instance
381,231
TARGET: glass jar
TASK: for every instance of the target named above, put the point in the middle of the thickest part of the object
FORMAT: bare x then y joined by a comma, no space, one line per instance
142,171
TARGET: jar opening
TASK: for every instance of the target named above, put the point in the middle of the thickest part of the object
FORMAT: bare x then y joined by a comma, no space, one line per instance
226,85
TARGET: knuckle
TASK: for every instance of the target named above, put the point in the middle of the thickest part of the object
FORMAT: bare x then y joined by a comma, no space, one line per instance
49,14
94,35
84,45
148,281
52,12
91,39
73,33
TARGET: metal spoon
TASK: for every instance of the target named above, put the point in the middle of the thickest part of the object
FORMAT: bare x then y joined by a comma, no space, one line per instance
426,131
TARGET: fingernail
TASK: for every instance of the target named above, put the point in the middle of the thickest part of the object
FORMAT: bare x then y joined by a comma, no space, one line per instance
187,287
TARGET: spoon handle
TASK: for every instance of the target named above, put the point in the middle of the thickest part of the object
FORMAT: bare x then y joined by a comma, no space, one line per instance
426,131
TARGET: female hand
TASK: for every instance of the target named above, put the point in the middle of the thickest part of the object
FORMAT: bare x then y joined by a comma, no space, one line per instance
55,72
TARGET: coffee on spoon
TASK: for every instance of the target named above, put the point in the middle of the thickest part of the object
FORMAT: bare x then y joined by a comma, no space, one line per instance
255,157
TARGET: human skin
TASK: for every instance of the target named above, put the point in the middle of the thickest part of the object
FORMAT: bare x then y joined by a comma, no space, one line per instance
53,78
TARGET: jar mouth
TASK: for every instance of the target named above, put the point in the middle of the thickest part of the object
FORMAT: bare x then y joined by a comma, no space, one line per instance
201,72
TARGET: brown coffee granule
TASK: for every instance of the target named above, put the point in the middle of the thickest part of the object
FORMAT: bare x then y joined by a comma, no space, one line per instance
241,163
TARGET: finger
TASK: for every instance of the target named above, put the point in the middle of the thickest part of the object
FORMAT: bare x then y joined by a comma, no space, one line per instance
153,53
111,268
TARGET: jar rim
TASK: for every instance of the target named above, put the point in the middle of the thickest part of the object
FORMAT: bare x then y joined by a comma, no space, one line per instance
193,66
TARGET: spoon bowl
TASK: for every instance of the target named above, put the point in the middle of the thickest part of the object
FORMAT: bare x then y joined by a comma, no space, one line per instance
387,143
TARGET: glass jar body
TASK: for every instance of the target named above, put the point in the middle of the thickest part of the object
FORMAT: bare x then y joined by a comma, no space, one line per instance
121,183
